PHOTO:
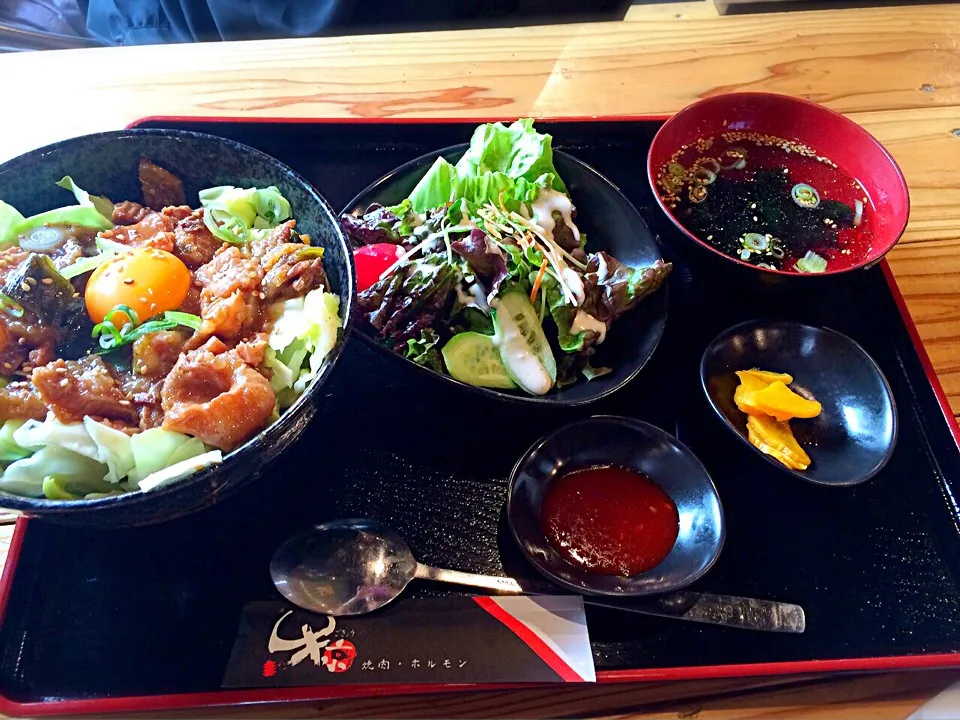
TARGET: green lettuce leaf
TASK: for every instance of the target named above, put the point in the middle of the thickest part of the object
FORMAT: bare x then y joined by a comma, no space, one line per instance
423,350
516,150
514,160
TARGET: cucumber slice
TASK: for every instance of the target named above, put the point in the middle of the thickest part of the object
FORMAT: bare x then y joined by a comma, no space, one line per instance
473,358
524,348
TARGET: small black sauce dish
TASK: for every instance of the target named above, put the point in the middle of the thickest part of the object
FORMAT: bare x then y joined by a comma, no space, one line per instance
606,440
856,432
612,224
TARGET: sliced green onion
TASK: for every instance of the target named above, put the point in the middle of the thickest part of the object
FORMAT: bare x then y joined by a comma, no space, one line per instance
715,165
126,310
10,306
744,254
858,212
107,335
738,158
702,176
805,196
186,319
756,242
811,263
111,338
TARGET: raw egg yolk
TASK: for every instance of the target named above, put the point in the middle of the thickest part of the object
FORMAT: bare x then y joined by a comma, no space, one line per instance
147,280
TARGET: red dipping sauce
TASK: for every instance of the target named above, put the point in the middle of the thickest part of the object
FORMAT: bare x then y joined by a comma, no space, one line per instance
609,520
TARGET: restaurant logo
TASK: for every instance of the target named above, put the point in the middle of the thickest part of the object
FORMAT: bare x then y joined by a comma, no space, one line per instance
314,644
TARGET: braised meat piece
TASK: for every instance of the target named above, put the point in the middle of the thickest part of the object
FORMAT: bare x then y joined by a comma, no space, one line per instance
129,213
229,298
212,394
74,389
155,354
290,268
21,401
144,394
280,235
10,259
160,187
155,230
194,243
24,343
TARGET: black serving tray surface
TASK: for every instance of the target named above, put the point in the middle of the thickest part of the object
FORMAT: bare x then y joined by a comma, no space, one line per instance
98,620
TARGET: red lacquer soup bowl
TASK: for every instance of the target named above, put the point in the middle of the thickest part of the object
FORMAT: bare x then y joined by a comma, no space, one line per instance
843,149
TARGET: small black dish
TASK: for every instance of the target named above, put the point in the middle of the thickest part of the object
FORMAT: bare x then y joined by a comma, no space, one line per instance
106,164
606,440
855,434
612,224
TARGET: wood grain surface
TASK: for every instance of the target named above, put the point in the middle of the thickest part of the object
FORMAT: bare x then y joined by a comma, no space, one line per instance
895,70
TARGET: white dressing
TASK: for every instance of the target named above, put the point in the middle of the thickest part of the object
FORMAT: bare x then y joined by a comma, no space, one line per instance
524,366
584,321
548,202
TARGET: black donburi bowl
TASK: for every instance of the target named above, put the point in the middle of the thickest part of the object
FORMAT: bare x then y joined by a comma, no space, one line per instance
106,164
854,435
606,440
612,224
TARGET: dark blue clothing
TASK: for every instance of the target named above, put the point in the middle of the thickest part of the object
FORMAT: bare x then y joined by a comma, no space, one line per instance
144,22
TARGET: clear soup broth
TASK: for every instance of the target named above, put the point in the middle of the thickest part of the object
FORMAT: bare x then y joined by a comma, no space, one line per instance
769,202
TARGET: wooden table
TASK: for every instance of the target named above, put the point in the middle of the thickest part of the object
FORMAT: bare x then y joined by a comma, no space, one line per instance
896,71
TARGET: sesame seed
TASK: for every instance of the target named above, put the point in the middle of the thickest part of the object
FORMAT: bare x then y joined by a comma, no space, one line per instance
32,282
124,402
755,218
7,365
64,382
76,295
128,281
753,206
47,281
143,300
22,341
25,287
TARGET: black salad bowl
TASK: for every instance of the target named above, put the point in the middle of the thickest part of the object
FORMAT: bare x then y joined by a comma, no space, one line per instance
106,164
612,224
856,432
607,440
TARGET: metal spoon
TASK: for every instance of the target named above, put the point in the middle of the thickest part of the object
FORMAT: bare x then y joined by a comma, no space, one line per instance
352,567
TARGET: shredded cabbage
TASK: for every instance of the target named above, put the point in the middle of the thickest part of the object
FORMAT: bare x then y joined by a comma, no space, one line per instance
75,473
103,205
156,449
180,470
93,458
232,213
303,334
92,211
10,449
